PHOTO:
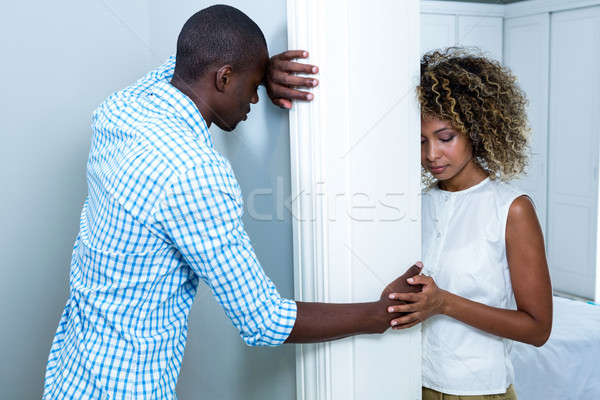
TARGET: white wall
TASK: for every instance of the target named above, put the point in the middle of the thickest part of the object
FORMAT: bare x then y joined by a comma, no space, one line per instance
356,175
60,60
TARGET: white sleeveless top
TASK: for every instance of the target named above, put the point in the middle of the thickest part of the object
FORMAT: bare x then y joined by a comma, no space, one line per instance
464,251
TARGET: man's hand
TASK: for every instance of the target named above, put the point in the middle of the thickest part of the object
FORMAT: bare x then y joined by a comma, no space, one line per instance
281,81
317,322
390,299
401,285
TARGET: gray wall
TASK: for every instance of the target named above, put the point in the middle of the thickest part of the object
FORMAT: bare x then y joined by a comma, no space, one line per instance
61,59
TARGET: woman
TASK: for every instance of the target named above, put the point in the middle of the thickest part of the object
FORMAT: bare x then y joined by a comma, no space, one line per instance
485,279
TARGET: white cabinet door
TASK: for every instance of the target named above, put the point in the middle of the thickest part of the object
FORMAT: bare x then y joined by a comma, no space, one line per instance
483,32
573,149
437,31
526,52
444,30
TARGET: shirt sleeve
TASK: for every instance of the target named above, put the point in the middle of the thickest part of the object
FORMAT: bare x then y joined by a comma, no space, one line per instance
201,213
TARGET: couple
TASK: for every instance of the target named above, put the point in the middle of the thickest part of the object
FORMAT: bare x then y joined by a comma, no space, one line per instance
164,210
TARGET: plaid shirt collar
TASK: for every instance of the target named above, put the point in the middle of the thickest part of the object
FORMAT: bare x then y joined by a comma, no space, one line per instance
185,107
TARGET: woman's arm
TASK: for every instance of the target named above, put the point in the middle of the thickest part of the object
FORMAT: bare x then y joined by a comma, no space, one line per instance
531,322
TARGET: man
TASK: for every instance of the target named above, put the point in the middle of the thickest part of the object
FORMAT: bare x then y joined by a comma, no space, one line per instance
164,210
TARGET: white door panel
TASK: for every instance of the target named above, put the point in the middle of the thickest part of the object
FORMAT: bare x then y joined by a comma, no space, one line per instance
354,149
573,150
526,52
483,32
437,31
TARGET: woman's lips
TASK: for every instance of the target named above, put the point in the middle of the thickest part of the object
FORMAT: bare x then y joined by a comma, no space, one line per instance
437,170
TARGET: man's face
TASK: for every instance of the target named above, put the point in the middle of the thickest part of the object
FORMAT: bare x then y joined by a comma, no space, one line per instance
242,91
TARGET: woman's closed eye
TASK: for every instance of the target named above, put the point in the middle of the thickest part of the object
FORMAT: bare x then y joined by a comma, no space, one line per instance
441,138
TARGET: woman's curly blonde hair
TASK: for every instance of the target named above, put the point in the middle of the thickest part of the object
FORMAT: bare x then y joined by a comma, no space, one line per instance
482,100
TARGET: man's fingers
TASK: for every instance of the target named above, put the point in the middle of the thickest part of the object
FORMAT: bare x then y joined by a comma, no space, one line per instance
282,96
291,94
282,103
283,81
293,80
291,54
294,67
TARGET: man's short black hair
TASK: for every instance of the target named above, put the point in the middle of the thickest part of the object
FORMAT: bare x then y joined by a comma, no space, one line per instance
216,36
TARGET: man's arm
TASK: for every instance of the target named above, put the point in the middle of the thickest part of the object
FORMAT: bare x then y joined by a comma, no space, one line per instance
281,79
204,223
316,322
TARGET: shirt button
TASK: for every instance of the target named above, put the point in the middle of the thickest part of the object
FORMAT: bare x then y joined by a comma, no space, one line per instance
439,235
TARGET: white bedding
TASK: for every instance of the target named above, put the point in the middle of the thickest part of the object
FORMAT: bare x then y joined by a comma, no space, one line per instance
567,367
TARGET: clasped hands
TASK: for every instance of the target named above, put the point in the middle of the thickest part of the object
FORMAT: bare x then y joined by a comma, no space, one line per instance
415,297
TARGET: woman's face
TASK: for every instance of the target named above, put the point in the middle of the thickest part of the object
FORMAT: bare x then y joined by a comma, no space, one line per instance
447,154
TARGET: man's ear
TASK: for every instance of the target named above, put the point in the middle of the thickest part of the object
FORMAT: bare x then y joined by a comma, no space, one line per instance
223,77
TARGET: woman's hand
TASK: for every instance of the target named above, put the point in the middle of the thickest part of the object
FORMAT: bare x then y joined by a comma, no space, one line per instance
281,79
418,306
530,323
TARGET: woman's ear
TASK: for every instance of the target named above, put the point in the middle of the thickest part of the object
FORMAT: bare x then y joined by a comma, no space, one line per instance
223,77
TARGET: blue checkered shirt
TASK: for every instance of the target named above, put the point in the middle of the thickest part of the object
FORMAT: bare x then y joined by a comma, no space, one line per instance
163,211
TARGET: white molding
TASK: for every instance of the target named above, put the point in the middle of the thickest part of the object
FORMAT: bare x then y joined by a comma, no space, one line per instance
461,8
358,137
597,288
310,240
513,10
531,7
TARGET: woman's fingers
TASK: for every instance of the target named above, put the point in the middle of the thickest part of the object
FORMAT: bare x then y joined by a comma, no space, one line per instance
405,297
406,321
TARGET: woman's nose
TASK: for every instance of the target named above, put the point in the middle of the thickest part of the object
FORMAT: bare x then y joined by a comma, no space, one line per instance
432,152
